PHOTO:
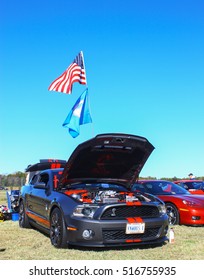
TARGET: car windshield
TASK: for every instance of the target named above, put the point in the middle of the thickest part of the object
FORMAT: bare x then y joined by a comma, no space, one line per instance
159,188
195,185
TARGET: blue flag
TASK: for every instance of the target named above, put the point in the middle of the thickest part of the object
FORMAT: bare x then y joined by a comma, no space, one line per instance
78,115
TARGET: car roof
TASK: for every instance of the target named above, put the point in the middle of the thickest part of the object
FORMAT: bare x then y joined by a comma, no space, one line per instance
188,180
46,164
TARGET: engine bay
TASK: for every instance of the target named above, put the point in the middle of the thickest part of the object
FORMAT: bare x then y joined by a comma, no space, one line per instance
105,196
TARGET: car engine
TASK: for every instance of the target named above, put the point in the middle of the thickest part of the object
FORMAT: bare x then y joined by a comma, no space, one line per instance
103,196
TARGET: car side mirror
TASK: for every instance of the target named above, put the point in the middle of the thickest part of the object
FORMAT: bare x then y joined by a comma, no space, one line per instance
40,185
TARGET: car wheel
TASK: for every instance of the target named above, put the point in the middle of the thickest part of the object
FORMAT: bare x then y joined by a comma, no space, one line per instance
57,229
23,218
173,214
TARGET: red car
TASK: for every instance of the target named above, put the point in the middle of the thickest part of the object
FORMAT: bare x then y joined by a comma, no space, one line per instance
182,207
193,186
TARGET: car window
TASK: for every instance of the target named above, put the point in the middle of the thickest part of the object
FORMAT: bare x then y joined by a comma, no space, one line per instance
56,178
33,179
195,185
155,188
44,177
183,185
159,188
138,187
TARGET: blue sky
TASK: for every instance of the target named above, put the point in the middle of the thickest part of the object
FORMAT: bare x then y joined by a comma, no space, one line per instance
145,70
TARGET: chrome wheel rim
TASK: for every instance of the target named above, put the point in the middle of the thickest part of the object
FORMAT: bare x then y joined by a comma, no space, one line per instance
21,214
172,214
55,229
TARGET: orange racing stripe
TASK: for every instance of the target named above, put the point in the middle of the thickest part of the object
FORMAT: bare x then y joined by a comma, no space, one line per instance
138,203
131,221
39,219
133,240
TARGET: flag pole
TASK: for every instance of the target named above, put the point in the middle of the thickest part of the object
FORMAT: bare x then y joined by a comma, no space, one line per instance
82,55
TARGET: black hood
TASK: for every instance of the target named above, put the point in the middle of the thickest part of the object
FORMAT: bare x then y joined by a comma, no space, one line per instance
116,158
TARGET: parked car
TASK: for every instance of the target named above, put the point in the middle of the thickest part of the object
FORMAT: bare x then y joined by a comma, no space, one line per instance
182,207
87,203
193,186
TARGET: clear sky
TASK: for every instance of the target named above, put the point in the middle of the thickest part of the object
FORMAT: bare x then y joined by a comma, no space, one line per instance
145,70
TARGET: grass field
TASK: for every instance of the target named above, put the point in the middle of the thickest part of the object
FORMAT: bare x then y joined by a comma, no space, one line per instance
28,244
3,198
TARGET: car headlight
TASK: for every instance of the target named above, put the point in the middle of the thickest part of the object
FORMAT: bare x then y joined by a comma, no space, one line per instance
85,211
162,209
190,203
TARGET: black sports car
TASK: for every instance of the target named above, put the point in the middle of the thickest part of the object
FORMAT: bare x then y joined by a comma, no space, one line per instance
88,202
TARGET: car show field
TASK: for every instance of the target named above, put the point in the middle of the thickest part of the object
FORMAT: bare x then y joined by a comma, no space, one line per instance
20,244
15,244
99,210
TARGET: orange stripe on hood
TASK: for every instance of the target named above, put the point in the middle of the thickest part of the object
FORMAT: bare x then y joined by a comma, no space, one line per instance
129,203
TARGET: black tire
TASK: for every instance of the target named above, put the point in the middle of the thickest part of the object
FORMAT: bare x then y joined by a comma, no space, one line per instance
23,218
173,214
58,236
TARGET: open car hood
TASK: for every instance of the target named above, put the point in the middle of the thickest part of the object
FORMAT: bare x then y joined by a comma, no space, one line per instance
113,158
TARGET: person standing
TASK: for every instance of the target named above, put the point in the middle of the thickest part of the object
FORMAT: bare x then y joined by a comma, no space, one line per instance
191,176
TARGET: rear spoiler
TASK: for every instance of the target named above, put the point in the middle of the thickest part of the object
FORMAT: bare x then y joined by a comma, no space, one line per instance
46,164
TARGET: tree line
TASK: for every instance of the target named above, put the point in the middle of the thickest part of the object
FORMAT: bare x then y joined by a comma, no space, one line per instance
13,180
18,179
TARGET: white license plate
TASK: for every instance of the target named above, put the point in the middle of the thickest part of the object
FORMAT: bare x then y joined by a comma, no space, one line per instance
135,228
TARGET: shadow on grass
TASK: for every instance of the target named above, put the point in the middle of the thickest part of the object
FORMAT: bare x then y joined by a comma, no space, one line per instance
121,247
2,249
118,247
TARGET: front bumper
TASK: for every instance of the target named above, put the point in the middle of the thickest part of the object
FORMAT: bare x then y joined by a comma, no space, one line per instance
192,217
110,233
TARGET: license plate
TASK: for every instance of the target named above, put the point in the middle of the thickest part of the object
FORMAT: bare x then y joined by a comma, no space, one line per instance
135,228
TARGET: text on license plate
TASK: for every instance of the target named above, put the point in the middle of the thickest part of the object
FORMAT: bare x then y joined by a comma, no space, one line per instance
135,228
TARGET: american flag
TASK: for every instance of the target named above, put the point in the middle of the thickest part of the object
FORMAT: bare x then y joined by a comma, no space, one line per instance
74,73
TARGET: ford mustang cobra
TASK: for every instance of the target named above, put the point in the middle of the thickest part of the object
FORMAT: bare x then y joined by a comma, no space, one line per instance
88,202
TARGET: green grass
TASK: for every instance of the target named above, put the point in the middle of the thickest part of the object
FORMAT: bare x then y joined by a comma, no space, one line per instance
28,244
3,200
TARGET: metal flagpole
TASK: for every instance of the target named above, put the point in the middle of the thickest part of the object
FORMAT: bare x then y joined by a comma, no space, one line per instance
82,55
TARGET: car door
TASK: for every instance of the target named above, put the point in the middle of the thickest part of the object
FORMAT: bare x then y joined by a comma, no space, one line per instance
39,199
29,195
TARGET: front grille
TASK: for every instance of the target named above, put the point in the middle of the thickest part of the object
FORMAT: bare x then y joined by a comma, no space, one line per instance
122,212
113,235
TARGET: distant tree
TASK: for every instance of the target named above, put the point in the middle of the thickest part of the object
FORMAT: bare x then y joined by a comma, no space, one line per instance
147,178
15,179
